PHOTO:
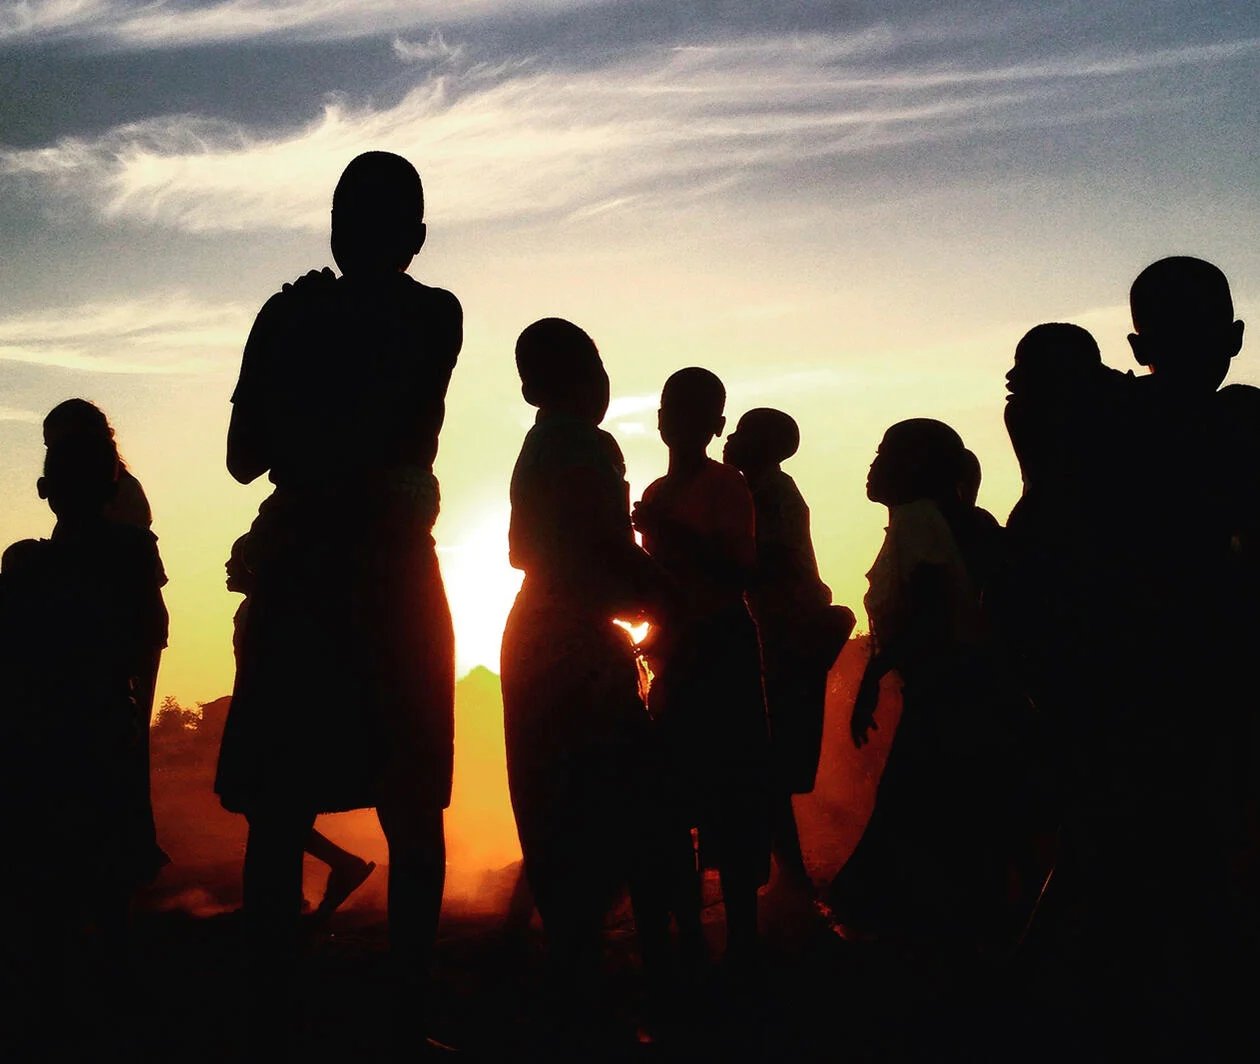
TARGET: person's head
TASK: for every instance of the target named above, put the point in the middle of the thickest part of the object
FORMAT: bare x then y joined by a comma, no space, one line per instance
19,555
240,577
969,477
763,437
80,476
917,459
561,371
1183,322
1052,388
690,415
76,419
377,215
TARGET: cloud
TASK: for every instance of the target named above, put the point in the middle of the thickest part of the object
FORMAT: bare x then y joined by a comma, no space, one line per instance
146,24
522,141
163,333
434,49
12,413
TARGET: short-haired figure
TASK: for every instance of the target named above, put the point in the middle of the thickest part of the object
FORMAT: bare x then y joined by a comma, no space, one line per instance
1171,595
801,633
347,872
79,615
79,419
698,522
927,864
344,694
582,757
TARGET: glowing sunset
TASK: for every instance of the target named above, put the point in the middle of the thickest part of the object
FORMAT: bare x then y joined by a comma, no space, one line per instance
848,212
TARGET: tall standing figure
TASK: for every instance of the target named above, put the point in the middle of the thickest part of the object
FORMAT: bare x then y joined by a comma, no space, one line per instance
583,770
344,693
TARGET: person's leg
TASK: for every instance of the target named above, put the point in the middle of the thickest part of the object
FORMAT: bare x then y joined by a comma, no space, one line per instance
272,910
347,871
786,843
417,875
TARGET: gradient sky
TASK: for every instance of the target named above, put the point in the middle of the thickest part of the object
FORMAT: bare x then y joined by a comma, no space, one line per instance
851,211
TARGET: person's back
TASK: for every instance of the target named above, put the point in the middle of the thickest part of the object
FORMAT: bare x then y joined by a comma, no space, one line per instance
350,375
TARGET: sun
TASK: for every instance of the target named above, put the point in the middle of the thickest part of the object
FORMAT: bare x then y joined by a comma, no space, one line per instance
481,586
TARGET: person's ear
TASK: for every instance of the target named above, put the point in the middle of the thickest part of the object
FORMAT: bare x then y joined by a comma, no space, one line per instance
721,426
422,231
529,395
41,486
1235,341
1139,346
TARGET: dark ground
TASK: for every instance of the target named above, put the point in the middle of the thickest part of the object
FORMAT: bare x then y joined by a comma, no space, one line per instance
819,996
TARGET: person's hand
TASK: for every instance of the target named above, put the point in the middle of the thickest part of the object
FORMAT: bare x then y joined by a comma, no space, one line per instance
863,720
646,518
311,282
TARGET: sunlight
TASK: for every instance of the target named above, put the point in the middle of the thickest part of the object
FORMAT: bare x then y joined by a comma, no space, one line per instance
481,587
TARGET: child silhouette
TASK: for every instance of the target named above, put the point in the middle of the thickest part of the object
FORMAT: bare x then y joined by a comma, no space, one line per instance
583,768
340,400
801,632
697,521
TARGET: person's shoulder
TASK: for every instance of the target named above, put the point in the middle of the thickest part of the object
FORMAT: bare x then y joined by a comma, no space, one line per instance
655,488
434,300
726,480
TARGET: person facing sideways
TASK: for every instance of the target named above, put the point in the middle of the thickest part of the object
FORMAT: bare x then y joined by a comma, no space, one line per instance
929,862
583,766
75,419
697,521
79,615
1170,599
801,632
346,871
344,694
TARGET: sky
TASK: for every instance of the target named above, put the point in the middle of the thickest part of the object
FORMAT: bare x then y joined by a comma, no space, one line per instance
851,211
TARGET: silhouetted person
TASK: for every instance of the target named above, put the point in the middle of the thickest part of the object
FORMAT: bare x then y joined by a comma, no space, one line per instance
582,759
344,693
801,633
1168,594
698,522
346,871
78,419
79,616
928,862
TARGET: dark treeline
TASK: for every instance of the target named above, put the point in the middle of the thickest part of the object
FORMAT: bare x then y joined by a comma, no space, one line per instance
1066,825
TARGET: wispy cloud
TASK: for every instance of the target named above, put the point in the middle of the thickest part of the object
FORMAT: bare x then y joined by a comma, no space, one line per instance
12,413
522,140
434,49
164,333
161,24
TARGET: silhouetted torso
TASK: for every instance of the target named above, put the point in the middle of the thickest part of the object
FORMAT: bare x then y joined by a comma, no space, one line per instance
344,382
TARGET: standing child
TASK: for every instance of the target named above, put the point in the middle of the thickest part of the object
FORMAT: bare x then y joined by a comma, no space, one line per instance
78,614
698,522
581,759
801,632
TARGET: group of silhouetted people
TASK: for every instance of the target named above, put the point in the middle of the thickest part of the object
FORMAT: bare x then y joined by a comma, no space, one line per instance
1075,687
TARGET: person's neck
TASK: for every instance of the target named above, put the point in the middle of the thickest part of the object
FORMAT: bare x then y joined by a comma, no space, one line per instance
686,462
759,474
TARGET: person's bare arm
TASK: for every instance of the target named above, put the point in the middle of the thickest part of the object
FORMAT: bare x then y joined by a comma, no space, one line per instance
249,439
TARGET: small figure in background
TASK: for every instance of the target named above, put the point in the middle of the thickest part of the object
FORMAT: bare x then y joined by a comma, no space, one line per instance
347,872
801,633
